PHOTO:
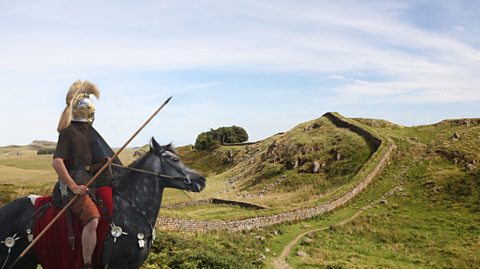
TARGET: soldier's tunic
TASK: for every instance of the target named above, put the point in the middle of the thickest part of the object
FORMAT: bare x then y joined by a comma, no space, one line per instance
74,148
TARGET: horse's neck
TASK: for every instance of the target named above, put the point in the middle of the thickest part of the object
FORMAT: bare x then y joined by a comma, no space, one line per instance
141,194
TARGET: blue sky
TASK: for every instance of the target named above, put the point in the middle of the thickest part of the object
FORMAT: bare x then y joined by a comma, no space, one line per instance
262,65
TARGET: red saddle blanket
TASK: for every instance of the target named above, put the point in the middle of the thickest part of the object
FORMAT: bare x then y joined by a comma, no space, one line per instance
53,250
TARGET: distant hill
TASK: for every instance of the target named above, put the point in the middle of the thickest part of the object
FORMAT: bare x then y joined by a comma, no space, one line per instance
41,144
34,145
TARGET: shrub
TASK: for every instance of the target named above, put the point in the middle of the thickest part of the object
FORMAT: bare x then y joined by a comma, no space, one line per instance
206,141
214,138
6,191
45,151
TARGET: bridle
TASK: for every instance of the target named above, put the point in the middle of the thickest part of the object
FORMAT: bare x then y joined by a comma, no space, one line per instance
163,159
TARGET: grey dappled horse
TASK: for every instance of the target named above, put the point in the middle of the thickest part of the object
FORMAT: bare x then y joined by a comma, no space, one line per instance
137,197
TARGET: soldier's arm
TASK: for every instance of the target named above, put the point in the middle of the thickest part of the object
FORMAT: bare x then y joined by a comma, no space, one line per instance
62,172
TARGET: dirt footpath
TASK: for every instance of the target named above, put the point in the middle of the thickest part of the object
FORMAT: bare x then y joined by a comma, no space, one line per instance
281,263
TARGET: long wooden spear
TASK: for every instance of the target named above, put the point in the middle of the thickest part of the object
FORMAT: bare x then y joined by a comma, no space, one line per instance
90,182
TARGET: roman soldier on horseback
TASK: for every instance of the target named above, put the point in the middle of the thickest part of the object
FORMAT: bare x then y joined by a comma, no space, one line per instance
80,152
129,202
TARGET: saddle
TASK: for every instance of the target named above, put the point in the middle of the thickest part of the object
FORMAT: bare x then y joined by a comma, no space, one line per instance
53,250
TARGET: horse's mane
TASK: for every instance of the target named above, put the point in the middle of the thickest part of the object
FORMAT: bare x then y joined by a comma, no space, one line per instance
139,160
170,147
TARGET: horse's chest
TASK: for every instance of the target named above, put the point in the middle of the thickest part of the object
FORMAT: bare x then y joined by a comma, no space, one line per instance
132,232
129,249
131,227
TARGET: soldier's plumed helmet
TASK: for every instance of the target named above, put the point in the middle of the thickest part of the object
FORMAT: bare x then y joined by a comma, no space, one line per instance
79,106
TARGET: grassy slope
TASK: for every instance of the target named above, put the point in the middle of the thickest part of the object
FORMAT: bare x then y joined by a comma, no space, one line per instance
432,222
23,165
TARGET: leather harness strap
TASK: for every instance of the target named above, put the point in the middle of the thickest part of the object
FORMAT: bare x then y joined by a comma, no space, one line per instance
68,214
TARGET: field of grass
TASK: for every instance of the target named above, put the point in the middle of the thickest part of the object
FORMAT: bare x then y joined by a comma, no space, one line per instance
421,212
213,212
23,172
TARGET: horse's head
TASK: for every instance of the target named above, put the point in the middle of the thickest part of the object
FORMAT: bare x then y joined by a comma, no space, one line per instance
163,161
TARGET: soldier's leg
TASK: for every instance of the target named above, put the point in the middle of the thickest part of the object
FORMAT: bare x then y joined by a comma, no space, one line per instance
89,240
86,210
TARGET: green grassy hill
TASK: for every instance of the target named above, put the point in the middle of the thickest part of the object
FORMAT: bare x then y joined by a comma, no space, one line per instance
295,169
423,211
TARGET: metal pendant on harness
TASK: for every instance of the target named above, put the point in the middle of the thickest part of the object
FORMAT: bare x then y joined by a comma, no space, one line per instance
116,232
141,242
29,235
9,242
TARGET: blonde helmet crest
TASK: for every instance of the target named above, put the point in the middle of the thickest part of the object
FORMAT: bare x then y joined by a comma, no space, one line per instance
79,106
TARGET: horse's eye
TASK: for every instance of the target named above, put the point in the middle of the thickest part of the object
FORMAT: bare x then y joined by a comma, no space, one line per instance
175,159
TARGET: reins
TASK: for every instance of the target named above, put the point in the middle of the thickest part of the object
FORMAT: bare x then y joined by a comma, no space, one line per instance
186,179
143,171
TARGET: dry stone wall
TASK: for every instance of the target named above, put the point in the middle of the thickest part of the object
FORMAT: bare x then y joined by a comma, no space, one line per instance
213,201
187,204
246,143
374,141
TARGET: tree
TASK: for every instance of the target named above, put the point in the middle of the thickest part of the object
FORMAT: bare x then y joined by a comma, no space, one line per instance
214,138
206,141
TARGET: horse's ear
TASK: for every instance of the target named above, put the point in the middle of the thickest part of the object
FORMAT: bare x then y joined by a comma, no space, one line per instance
154,144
